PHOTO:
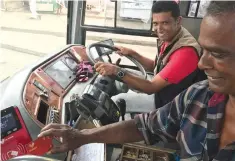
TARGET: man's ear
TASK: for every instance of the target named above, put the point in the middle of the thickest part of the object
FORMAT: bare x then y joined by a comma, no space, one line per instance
179,20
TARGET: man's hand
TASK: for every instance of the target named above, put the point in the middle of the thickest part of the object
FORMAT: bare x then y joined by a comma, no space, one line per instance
71,138
124,132
106,69
147,63
123,51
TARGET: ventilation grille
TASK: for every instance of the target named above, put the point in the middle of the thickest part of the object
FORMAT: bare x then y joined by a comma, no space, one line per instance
54,116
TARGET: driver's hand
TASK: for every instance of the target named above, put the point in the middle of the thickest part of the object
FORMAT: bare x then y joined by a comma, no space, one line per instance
71,138
106,69
123,51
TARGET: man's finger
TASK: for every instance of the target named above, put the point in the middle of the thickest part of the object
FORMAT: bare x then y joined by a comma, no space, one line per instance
118,47
118,61
58,149
54,126
97,64
119,52
102,72
52,132
98,69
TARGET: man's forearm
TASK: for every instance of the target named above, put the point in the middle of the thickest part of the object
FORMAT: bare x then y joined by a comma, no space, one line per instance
147,63
117,133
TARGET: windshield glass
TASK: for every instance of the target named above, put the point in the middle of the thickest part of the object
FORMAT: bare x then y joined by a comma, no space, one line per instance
30,30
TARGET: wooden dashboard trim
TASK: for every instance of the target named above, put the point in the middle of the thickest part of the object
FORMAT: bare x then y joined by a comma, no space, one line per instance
31,94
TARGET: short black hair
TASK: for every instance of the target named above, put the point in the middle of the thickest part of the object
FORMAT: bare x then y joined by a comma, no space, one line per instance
166,6
220,7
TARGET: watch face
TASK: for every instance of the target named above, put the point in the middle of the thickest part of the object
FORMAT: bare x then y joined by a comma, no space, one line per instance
121,74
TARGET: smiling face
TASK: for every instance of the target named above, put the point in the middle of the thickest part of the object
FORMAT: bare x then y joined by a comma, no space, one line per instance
165,25
217,38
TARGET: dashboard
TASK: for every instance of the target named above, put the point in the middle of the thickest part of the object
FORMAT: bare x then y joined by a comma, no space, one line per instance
47,87
49,83
36,96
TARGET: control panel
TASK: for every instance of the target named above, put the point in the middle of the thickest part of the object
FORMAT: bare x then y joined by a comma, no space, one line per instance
14,134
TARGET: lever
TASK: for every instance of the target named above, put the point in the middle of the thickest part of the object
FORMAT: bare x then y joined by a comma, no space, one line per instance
72,112
118,61
121,103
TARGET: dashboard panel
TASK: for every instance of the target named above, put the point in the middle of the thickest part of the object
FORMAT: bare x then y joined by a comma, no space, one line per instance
49,83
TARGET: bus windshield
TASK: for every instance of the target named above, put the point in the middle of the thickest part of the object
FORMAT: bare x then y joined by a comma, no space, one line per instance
33,29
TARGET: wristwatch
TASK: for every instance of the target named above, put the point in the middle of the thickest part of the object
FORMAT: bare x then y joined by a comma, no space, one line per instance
121,73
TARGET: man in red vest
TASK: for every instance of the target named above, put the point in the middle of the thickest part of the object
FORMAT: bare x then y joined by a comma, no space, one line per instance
175,66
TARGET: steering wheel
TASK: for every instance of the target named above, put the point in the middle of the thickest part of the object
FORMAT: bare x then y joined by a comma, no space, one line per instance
113,49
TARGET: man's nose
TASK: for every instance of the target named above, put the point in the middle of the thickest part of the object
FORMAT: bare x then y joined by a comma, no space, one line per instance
157,28
206,61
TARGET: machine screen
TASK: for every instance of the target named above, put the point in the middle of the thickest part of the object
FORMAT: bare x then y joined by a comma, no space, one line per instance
60,73
7,122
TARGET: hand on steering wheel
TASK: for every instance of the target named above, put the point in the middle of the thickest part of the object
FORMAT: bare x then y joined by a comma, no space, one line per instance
106,69
111,69
123,51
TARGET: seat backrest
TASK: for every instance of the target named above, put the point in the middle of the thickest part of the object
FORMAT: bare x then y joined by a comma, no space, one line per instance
192,25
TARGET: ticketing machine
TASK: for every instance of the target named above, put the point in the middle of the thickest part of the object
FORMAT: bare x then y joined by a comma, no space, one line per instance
14,134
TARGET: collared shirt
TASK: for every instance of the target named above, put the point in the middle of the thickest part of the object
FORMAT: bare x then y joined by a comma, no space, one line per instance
195,119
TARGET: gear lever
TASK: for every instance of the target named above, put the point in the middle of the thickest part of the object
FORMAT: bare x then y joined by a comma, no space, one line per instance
121,103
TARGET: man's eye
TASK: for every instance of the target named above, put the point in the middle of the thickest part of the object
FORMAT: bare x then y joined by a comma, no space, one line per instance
218,55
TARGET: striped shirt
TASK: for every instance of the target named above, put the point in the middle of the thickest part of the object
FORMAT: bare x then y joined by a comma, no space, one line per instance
193,119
